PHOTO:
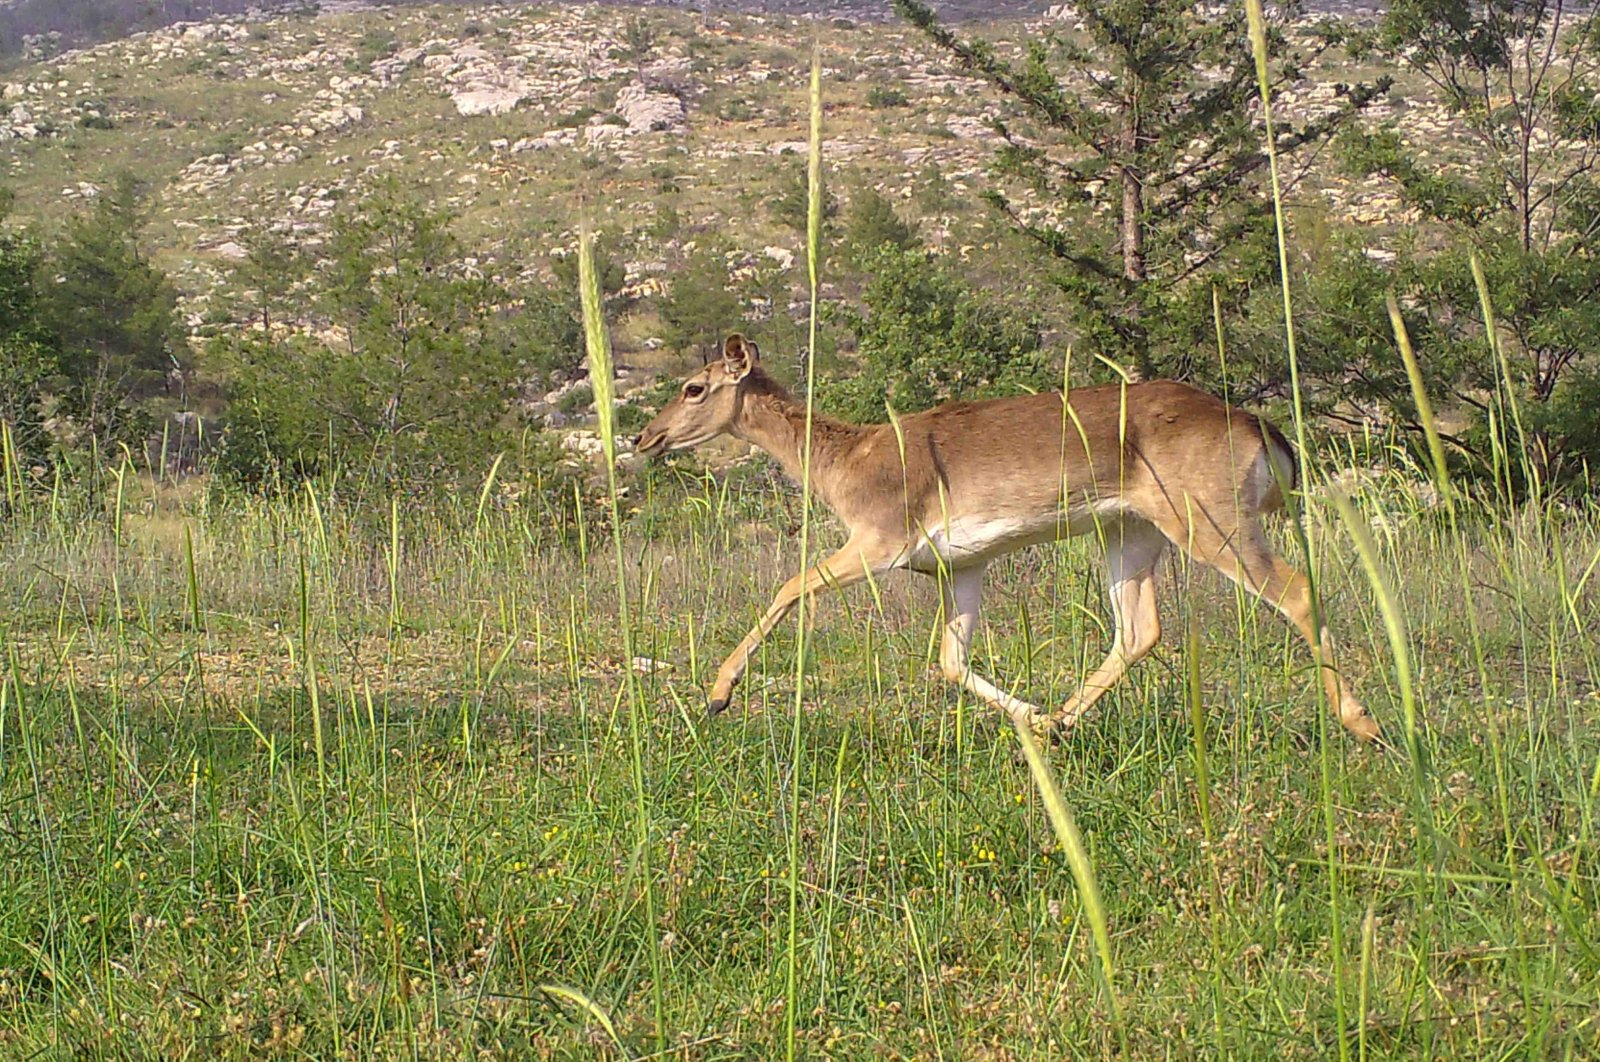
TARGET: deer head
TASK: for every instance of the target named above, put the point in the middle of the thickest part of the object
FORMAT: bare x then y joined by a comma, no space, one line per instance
707,402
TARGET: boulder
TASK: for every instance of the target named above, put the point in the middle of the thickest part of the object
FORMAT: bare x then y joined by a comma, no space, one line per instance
488,99
647,111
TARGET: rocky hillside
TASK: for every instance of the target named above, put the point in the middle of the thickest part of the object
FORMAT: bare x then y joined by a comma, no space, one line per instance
514,116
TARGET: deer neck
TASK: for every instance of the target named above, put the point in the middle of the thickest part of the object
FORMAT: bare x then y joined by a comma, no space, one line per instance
777,424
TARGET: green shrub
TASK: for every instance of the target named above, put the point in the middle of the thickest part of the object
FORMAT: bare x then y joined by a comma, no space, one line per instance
791,202
577,400
422,385
881,97
699,308
631,419
923,336
30,355
577,119
871,222
115,315
379,42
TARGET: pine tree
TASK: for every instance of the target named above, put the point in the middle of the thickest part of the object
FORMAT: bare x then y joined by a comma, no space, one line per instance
871,222
115,314
29,352
1153,110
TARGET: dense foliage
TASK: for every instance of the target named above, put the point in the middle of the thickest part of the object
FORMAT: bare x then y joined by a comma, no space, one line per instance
30,355
1185,250
415,373
1151,167
1522,82
91,347
1133,197
924,336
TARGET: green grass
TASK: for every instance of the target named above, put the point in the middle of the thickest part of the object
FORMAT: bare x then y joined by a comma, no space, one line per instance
325,776
350,813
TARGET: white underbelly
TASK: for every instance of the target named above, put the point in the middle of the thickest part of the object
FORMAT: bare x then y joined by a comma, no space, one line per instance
962,541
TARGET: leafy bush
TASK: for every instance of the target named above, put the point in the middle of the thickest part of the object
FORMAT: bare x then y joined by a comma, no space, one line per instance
30,356
420,386
699,309
376,43
881,97
925,337
609,265
576,400
1522,87
871,222
791,201
735,109
577,119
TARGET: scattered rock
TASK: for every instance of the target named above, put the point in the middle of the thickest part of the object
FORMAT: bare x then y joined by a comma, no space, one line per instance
389,70
488,99
545,141
970,127
647,111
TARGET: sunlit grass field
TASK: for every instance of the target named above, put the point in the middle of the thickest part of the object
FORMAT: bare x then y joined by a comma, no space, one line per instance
309,778
328,775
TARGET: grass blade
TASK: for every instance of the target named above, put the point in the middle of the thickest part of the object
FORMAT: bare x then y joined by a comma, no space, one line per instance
797,744
1258,47
598,344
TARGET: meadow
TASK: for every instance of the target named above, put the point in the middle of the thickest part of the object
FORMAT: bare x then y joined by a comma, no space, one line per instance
319,773
308,777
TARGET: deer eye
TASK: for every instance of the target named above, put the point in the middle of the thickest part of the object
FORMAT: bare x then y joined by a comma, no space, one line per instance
693,390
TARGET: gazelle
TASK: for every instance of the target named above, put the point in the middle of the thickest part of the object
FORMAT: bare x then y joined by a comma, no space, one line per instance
955,487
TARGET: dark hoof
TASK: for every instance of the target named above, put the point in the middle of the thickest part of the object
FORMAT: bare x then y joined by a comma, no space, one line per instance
715,708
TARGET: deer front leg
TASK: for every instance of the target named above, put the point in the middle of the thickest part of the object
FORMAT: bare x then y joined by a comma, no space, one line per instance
848,566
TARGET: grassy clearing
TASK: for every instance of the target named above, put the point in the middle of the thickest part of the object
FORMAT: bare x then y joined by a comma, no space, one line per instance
379,802
325,776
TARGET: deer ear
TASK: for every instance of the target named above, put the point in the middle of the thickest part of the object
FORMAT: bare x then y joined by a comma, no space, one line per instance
739,356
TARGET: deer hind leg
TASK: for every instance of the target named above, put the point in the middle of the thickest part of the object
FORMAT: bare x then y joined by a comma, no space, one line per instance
963,599
1249,560
852,564
1290,592
1132,549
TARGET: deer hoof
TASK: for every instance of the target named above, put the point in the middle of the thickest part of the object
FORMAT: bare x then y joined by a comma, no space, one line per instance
1364,727
715,707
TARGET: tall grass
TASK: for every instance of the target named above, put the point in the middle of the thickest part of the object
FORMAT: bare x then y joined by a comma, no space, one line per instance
1258,47
322,774
424,887
597,341
814,204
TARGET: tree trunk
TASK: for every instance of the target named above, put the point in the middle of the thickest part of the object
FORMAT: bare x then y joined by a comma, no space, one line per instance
1134,268
1133,264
